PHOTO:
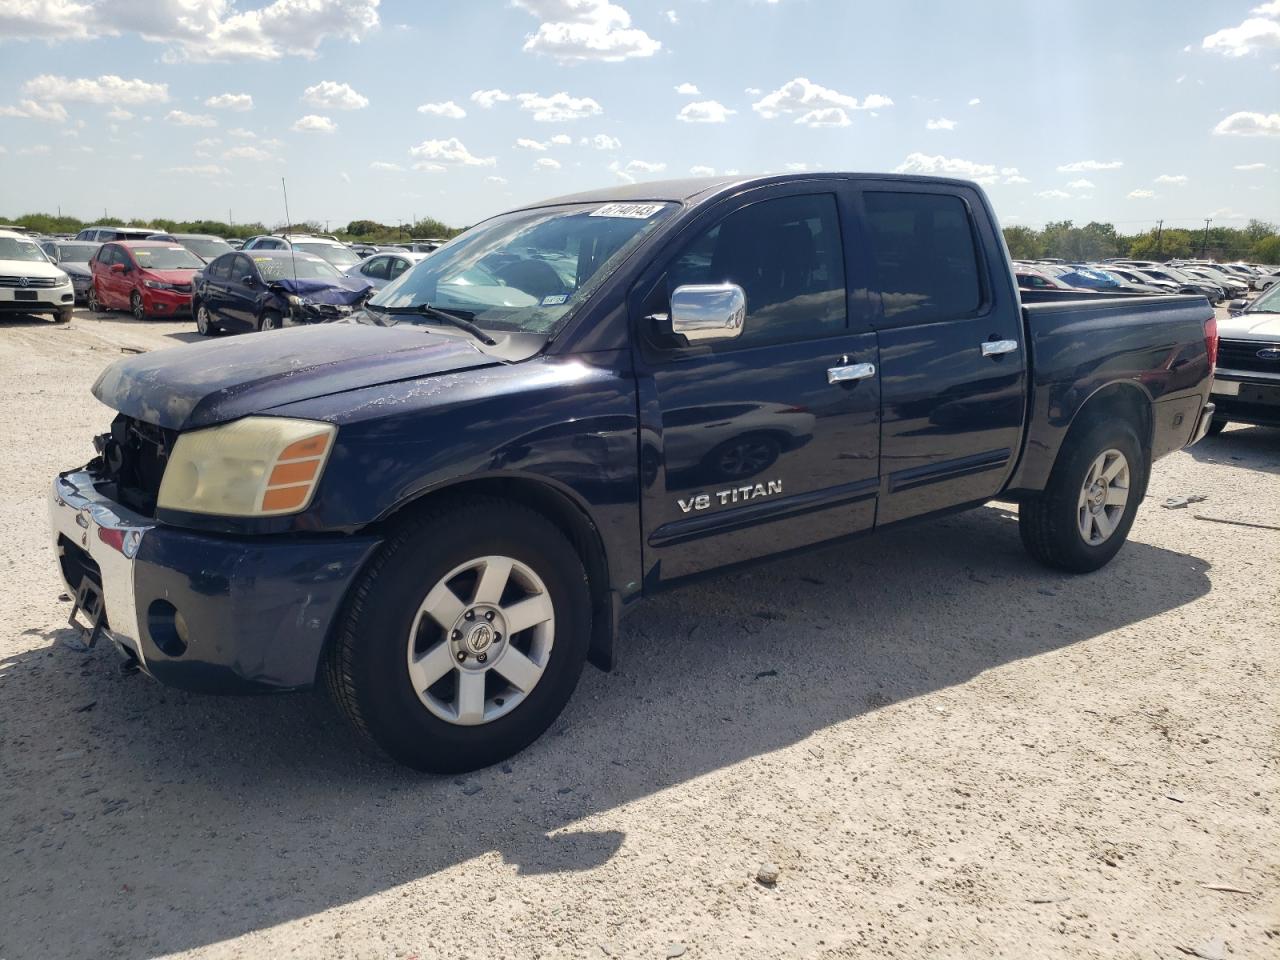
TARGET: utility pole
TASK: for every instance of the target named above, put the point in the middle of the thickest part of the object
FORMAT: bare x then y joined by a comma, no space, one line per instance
1204,245
1159,234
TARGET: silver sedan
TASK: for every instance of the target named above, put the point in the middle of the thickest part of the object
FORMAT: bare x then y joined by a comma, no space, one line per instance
381,268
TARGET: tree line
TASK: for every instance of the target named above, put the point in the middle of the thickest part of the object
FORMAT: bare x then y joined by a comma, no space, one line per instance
368,231
1257,242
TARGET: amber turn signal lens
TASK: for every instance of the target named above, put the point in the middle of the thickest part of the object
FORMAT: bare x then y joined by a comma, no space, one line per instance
285,498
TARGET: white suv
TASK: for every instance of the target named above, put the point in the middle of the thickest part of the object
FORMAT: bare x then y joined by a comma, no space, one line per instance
29,283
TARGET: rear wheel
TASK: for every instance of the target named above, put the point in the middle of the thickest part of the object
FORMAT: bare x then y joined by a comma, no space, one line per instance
136,306
205,325
1082,518
465,638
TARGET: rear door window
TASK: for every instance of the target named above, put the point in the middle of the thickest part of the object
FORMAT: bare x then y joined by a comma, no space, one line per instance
376,268
925,255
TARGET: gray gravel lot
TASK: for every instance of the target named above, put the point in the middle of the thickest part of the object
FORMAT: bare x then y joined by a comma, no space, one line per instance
946,750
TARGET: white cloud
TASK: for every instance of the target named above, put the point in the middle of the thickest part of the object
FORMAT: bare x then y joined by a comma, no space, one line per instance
561,140
947,167
1053,194
487,98
198,30
242,133
601,141
31,110
386,167
585,30
546,163
35,150
700,171
200,170
1246,124
1177,180
673,18
687,90
428,167
1141,194
246,152
119,113
753,91
633,169
207,143
975,101
451,150
1080,166
704,111
184,119
559,107
524,143
346,177
1251,36
446,109
824,117
1081,184
795,167
107,88
498,180
332,95
801,96
1012,175
1251,166
230,101
314,124
942,123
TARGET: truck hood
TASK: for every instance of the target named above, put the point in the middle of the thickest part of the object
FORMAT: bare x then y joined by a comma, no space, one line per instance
1250,326
346,290
202,384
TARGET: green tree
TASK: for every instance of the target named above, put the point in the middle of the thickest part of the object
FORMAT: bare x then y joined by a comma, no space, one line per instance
1023,243
1267,250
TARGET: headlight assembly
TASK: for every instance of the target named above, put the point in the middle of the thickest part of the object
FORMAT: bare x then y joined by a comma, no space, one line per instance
159,285
255,467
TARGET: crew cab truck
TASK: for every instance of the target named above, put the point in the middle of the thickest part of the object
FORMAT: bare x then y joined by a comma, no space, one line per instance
441,506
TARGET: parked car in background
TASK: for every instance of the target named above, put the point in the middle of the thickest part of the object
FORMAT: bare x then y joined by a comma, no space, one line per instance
30,282
149,278
1031,278
1246,385
235,243
103,234
1125,284
381,268
425,245
336,253
270,289
1210,291
1231,284
72,257
1265,281
1136,279
206,246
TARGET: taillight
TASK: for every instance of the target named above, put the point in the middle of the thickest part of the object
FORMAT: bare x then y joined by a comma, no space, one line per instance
1211,341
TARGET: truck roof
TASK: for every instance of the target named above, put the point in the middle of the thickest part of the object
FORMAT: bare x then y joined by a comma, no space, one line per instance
697,188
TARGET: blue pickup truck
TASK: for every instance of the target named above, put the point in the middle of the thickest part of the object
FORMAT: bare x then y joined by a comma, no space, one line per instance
441,506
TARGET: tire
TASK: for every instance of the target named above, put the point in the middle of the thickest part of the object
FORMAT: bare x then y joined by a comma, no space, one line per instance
1052,524
1216,426
205,325
64,315
270,320
137,307
385,626
94,303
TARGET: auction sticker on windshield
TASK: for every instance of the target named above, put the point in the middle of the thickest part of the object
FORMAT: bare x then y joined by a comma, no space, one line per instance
631,211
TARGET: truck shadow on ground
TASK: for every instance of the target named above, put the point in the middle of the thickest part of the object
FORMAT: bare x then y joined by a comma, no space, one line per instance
1250,448
172,821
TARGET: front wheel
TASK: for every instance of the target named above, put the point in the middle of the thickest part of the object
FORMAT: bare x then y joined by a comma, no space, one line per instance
205,325
94,303
64,315
1082,518
465,638
136,306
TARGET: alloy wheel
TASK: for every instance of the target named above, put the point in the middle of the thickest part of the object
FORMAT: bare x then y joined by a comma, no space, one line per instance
1103,497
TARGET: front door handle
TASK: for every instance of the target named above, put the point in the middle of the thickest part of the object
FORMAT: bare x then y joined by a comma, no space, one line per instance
850,372
997,348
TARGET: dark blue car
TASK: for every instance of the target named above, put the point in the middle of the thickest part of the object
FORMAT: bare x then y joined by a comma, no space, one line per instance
270,289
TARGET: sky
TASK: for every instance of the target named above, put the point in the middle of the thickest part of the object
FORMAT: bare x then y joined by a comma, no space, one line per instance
1126,112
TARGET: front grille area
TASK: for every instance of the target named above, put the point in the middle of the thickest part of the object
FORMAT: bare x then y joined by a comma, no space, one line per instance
29,283
134,455
1243,355
182,287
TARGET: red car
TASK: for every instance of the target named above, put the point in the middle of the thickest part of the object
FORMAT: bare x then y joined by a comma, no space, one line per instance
149,278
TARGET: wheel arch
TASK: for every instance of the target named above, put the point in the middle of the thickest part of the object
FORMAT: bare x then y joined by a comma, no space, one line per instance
560,506
1118,400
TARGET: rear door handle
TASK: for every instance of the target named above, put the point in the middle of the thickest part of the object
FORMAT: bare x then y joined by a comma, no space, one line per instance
996,348
850,372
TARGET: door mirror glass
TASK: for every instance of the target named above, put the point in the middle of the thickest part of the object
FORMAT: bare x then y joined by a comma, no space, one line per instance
710,311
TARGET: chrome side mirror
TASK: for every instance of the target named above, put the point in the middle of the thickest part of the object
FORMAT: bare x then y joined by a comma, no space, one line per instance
1237,305
711,311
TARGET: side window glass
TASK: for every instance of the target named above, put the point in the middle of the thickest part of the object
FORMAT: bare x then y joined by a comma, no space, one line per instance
925,256
398,267
786,255
241,268
376,268
220,269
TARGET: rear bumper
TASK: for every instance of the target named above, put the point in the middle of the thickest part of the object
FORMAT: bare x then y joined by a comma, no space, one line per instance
213,614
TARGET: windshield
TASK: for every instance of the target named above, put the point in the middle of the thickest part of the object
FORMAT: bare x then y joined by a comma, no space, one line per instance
166,258
206,248
341,257
75,252
286,268
526,271
11,248
1269,302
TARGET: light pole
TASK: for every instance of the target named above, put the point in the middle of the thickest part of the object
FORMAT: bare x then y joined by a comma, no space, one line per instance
1204,244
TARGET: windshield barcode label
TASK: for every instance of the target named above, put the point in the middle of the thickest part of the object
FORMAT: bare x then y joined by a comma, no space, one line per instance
632,211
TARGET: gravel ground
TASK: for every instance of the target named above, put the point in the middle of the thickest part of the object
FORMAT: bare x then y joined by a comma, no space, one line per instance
945,750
